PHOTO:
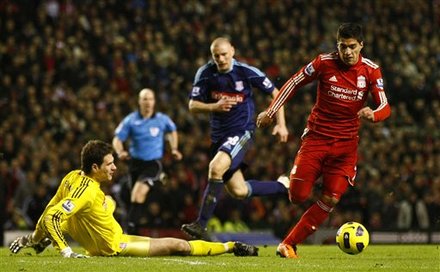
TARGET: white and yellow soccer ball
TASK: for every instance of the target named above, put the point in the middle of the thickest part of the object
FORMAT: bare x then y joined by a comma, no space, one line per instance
352,238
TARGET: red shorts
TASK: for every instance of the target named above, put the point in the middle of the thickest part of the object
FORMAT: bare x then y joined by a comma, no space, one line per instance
319,155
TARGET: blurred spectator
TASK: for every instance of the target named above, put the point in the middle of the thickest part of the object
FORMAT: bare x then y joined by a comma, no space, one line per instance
3,170
34,205
235,223
282,217
413,214
389,212
433,205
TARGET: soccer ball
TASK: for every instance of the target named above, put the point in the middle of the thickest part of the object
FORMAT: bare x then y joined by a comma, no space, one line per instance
352,238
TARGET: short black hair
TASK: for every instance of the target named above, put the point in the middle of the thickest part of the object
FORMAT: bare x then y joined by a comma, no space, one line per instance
92,152
350,30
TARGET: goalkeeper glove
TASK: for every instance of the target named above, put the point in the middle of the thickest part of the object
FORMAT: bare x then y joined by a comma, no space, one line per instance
68,253
26,241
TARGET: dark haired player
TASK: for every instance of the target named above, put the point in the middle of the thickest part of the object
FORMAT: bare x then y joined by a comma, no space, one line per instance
330,140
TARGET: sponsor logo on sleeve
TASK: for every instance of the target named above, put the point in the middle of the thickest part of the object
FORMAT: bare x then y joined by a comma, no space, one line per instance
309,70
379,83
267,83
195,91
68,206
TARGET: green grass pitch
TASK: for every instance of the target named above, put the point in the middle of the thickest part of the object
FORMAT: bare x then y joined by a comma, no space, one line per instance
312,258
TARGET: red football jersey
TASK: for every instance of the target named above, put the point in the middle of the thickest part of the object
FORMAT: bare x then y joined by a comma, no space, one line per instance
342,92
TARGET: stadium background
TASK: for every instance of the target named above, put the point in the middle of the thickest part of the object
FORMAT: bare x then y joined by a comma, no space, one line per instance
70,70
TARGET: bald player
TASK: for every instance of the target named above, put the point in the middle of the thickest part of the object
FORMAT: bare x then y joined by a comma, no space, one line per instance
224,89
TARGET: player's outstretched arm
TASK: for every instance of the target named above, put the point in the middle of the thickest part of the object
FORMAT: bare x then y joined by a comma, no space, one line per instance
55,216
280,128
263,120
222,105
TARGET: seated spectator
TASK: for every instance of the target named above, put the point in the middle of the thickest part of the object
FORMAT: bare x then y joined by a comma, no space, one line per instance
235,223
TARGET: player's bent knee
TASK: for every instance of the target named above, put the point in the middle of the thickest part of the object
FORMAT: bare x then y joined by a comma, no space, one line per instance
182,247
299,190
215,172
298,198
239,193
217,168
139,198
329,200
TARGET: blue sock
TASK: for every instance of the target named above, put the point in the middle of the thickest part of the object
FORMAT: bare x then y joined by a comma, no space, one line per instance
265,188
210,196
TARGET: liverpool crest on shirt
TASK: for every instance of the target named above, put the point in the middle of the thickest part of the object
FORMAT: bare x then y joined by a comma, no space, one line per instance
361,82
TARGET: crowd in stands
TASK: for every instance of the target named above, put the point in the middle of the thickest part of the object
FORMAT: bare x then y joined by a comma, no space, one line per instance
70,70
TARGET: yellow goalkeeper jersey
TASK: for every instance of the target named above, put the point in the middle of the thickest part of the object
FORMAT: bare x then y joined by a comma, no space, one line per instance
82,210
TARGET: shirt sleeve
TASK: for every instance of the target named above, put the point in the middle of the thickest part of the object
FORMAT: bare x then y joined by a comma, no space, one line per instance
199,90
260,81
383,110
78,200
122,131
305,75
170,126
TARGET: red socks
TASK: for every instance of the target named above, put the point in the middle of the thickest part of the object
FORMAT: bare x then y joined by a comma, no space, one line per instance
309,223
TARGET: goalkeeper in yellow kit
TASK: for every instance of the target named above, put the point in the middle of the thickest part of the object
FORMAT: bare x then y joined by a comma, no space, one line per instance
82,210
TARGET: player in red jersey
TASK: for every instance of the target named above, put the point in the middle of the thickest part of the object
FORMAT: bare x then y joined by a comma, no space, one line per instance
330,140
